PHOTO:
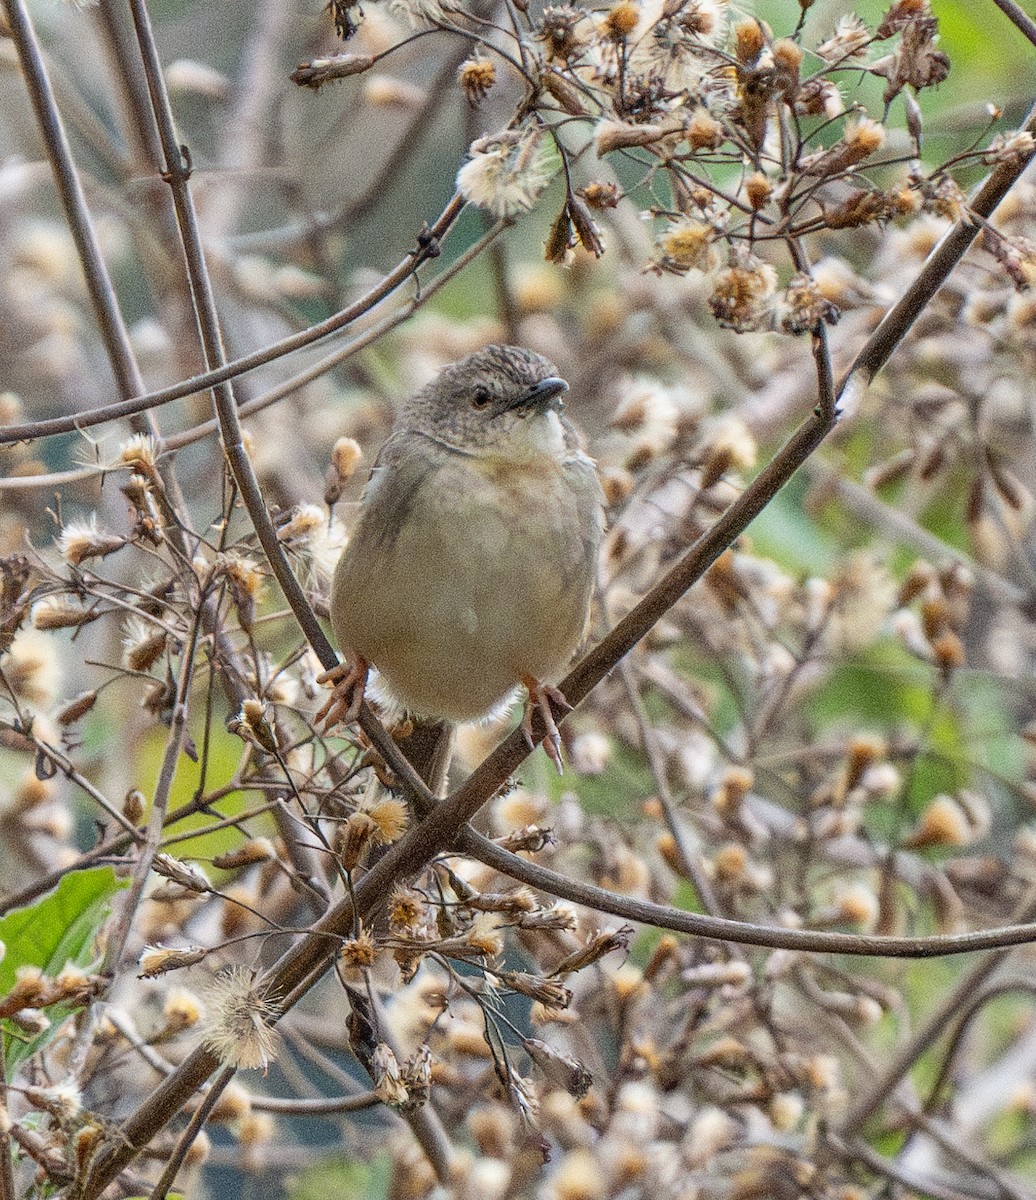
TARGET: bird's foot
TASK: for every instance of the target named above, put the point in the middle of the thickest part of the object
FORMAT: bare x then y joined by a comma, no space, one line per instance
349,680
540,697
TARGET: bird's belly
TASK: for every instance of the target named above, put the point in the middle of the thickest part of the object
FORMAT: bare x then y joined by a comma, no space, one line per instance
487,585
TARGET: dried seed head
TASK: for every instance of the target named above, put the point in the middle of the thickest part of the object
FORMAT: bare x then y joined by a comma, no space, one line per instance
387,1077
621,135
476,76
32,668
406,909
621,20
484,937
76,709
133,805
182,1010
688,245
318,71
742,295
565,32
305,520
346,455
1010,149
157,960
143,644
601,195
60,612
354,838
602,943
360,951
505,173
758,190
850,41
803,307
734,788
729,446
82,540
749,41
238,1029
578,1177
703,131
787,57
951,821
858,905
187,875
252,726
140,454
547,992
560,1069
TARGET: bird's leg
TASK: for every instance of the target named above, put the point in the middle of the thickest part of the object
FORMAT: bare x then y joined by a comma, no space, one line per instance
540,697
350,682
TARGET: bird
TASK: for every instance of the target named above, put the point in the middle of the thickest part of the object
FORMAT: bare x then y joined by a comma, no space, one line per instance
469,571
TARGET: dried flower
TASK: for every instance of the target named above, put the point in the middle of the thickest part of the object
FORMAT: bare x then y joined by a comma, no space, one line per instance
252,726
849,42
476,76
621,20
143,644
60,612
505,173
388,1082
360,951
565,32
254,850
406,909
687,245
601,195
303,522
82,540
318,71
559,1069
597,947
239,1029
140,454
354,839
548,992
742,294
157,960
1010,149
803,307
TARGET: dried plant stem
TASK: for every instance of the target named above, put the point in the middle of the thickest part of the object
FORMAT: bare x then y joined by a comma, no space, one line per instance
741,932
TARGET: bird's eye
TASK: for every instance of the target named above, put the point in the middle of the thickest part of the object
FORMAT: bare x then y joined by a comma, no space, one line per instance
481,397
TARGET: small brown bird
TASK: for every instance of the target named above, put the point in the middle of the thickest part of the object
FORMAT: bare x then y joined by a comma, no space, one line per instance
470,568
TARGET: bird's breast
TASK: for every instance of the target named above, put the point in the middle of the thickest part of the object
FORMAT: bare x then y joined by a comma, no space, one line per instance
487,578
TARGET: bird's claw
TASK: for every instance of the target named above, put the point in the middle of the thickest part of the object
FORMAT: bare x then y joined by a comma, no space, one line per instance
349,680
540,697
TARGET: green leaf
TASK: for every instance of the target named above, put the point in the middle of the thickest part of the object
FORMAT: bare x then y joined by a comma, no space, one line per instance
61,928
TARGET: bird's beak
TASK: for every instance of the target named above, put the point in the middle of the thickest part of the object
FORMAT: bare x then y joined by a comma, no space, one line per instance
541,395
